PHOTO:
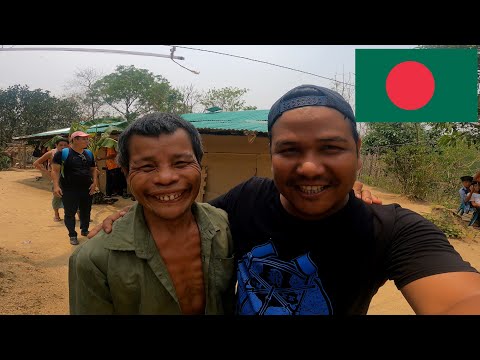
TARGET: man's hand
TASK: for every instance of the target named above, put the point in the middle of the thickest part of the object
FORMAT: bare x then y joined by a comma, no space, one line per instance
92,189
106,225
57,191
365,195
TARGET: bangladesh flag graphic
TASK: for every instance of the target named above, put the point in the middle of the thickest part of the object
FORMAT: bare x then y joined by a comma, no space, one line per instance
416,85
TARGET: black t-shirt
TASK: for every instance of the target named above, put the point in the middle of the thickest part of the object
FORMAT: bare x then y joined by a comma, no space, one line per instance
291,266
77,170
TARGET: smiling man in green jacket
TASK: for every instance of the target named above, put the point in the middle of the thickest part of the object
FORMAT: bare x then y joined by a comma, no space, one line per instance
169,255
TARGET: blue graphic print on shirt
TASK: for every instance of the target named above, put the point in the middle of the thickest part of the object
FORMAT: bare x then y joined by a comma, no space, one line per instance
270,286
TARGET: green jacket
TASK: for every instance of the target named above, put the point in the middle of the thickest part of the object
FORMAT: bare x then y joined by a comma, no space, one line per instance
123,272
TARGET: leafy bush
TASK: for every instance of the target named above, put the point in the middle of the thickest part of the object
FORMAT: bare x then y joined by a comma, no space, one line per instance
421,172
448,222
4,162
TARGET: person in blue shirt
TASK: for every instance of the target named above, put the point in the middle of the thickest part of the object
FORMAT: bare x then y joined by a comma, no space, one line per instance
466,193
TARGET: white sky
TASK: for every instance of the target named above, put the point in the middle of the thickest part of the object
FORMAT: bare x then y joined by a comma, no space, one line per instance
51,70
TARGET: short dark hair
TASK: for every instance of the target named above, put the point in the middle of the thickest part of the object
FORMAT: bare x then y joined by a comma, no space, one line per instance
59,140
153,125
466,178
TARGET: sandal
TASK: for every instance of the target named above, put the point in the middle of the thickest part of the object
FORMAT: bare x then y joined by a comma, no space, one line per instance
57,219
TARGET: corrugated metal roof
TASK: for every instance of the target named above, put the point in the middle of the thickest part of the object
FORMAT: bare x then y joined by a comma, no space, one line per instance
93,129
102,127
45,133
246,120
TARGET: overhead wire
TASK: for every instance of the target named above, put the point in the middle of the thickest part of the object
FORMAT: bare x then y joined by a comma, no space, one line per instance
263,62
126,52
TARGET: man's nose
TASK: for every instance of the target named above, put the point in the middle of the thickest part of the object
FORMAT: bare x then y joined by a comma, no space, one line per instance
310,168
165,175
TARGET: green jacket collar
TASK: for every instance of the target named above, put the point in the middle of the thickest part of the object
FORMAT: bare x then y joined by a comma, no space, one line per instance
138,238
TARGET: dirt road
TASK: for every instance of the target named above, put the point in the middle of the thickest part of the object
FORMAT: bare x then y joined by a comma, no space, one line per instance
34,250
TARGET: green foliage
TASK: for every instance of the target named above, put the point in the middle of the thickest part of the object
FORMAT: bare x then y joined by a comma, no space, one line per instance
23,111
227,98
165,99
455,133
4,162
384,136
429,173
50,144
412,166
132,91
446,221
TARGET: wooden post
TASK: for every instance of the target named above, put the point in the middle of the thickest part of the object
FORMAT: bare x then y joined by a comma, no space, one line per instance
24,164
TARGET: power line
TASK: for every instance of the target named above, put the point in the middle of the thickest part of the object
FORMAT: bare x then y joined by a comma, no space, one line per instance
141,53
265,62
122,52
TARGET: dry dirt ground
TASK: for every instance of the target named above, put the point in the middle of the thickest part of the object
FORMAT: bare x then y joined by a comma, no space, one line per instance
34,250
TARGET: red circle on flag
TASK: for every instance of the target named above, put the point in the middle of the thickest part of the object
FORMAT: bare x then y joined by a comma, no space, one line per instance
410,85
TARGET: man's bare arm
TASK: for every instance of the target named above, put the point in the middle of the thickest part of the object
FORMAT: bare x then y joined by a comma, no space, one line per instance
39,162
94,172
448,293
57,191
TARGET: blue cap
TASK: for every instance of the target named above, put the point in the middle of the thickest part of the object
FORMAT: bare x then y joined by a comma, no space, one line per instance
309,95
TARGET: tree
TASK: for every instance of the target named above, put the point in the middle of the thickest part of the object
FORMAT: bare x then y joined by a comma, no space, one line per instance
227,98
24,111
132,91
87,92
190,98
162,97
383,136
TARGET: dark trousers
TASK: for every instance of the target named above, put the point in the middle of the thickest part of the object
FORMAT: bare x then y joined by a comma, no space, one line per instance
116,182
73,201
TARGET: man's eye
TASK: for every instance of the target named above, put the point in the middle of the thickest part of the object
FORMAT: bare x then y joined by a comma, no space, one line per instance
146,168
288,151
181,163
331,148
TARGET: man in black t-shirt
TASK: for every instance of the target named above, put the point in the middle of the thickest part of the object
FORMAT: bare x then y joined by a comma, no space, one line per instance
305,245
75,183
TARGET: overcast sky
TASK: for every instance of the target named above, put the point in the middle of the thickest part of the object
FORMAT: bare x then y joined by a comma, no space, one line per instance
51,70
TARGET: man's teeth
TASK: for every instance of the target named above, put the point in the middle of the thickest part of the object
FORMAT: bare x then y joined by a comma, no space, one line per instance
168,197
312,189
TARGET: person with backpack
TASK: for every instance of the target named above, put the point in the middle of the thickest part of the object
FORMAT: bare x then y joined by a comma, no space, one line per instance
306,245
75,180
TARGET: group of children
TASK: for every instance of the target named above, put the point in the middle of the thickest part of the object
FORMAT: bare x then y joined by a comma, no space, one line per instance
469,195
